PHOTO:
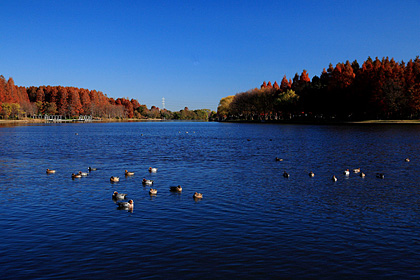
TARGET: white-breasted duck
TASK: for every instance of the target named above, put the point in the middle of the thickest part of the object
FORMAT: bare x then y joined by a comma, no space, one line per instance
198,195
114,179
126,205
147,182
118,196
128,173
176,189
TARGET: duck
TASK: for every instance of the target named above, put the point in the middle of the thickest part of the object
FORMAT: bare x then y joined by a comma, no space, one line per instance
380,175
114,179
92,169
176,189
153,191
147,182
76,175
128,173
118,196
197,195
286,175
356,170
49,171
279,159
83,173
334,178
311,174
152,170
362,175
346,172
126,205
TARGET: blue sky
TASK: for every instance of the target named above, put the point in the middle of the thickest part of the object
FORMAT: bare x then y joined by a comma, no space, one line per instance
193,53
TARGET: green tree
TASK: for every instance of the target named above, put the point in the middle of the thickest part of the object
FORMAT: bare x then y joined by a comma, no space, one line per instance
50,108
286,102
223,110
11,111
39,107
6,110
166,114
202,114
186,114
153,113
16,111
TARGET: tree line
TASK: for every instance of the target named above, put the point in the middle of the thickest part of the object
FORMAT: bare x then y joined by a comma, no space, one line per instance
17,102
379,89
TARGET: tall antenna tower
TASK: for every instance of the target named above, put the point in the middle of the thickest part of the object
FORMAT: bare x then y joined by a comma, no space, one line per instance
163,102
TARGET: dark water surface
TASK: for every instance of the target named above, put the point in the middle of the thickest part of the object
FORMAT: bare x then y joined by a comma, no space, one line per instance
252,222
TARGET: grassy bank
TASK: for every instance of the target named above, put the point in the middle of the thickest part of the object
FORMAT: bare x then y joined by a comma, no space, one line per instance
328,122
31,120
26,120
389,122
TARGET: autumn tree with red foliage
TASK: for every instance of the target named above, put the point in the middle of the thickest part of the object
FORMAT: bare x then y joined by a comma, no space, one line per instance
284,84
378,89
71,102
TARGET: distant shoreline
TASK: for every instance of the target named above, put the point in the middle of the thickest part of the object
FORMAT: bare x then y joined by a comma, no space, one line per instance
326,122
30,120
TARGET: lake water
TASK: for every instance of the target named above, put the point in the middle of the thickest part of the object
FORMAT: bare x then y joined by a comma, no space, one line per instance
252,223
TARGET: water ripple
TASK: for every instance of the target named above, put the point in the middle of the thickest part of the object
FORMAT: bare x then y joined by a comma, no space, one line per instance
252,223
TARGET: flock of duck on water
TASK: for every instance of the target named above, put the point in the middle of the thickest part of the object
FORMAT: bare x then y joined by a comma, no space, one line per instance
116,196
346,172
128,205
